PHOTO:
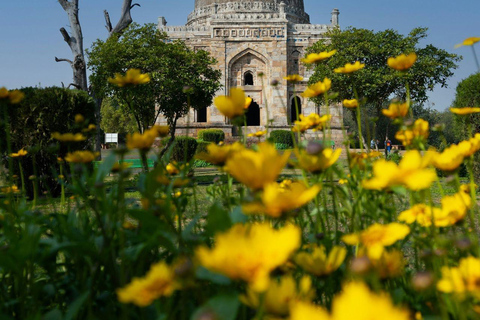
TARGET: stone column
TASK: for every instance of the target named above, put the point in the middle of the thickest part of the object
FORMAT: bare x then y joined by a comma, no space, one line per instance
335,14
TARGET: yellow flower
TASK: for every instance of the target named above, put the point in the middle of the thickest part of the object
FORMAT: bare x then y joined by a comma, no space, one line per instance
462,280
68,137
317,57
411,173
90,127
317,88
162,131
20,153
318,263
359,159
250,252
390,264
218,155
349,67
81,156
468,42
312,121
258,134
119,167
316,163
419,131
454,209
376,237
464,111
255,169
402,62
396,110
420,213
12,189
233,105
14,96
449,160
159,281
356,302
132,77
79,118
142,141
342,181
172,168
353,103
277,199
280,294
293,78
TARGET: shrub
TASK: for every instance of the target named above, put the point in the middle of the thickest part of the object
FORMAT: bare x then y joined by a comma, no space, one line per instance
184,148
211,135
42,112
202,146
283,138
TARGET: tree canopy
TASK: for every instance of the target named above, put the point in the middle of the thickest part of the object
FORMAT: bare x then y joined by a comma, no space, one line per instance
172,66
377,83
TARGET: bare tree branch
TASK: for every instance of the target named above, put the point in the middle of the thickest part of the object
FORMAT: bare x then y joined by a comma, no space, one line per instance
74,85
133,5
64,4
65,35
107,21
64,60
125,18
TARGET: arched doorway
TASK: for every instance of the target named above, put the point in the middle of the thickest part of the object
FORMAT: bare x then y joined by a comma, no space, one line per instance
296,102
253,114
248,79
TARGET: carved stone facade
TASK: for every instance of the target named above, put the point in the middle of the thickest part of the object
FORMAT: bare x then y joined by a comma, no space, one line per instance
255,42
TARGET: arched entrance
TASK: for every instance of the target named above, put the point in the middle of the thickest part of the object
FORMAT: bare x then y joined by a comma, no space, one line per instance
248,79
296,102
253,114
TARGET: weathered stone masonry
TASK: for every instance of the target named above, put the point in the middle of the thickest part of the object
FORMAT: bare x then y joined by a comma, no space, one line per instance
250,39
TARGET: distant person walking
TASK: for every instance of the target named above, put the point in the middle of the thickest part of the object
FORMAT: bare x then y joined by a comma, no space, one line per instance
372,144
388,146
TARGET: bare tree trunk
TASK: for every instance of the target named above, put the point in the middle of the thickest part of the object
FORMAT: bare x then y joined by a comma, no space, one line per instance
75,42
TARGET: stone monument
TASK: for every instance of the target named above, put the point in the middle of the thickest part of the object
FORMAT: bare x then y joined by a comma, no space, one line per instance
254,43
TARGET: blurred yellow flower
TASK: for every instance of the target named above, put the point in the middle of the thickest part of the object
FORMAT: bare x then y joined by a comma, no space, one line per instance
119,167
14,96
280,294
462,280
350,67
355,302
79,118
250,252
258,134
68,137
390,264
317,88
411,173
142,141
420,213
402,62
376,237
419,131
159,281
312,121
293,78
318,263
90,128
255,169
173,168
12,189
468,42
359,159
233,105
177,182
81,156
319,162
132,77
449,160
353,103
464,111
162,131
218,155
277,199
20,153
396,110
317,57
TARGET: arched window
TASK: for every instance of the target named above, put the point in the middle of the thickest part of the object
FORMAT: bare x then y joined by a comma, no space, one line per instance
296,102
248,79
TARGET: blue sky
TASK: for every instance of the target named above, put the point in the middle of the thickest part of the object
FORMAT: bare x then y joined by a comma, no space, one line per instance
30,38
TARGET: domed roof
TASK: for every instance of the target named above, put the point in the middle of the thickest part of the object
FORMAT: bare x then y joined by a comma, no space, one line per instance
242,9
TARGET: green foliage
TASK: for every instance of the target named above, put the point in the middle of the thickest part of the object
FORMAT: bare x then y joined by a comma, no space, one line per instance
172,66
116,118
184,148
282,139
202,146
211,135
32,122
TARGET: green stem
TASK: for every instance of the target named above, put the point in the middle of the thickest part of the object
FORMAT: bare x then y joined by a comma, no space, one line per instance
475,57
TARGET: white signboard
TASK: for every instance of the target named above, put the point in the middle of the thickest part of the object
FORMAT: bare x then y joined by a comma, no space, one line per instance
111,138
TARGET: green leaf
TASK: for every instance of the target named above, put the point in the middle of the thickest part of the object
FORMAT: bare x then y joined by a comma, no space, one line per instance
223,306
237,215
75,307
218,219
205,274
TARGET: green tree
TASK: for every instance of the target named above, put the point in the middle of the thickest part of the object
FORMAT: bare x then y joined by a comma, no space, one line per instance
377,83
115,117
171,65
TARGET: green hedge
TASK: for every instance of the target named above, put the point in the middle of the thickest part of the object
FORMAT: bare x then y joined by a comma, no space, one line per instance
282,138
184,146
42,112
211,135
202,146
